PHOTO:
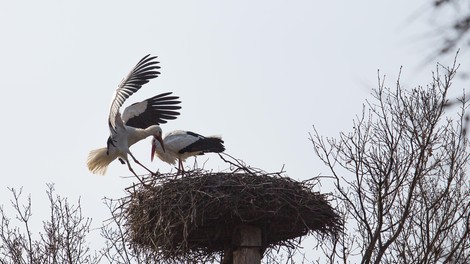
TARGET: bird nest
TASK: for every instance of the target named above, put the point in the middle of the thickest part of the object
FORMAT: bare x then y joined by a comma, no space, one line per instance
184,218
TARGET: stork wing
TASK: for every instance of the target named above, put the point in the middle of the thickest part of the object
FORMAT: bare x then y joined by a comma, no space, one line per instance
145,70
153,111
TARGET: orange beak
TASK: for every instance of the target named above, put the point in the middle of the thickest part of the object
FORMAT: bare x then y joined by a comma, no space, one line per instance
154,146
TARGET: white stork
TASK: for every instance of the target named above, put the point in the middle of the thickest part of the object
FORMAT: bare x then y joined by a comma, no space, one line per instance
138,120
179,145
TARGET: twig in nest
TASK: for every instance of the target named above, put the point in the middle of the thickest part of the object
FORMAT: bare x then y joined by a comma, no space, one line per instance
239,165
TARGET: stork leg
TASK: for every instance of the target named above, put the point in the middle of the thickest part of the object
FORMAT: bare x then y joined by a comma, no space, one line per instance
138,162
180,167
135,174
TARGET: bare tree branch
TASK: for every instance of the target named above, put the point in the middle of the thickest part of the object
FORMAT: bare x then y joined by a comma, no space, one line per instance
400,176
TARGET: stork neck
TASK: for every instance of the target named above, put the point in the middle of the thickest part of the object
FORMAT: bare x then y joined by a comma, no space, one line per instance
154,129
137,134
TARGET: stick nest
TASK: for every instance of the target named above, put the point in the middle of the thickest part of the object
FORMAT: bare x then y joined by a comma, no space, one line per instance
192,216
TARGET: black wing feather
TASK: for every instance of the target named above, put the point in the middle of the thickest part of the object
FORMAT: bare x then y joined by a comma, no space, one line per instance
159,109
204,144
144,70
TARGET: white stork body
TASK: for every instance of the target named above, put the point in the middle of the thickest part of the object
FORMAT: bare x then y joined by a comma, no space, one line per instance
99,159
180,145
138,120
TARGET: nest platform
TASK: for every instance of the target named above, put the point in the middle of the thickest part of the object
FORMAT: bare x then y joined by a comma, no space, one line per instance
195,215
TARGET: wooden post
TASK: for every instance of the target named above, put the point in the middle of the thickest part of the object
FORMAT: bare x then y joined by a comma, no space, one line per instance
247,241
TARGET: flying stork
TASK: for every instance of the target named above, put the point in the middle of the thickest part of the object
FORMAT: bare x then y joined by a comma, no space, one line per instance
138,121
179,145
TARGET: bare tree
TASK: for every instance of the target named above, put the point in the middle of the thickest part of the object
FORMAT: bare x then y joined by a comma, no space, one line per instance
117,248
63,240
401,177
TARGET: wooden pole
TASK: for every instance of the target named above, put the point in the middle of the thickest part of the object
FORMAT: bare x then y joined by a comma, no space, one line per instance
247,241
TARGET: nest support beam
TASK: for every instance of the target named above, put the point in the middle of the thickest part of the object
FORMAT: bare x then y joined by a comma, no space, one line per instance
246,246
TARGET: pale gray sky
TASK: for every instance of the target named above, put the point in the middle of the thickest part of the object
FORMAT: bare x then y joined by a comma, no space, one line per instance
258,73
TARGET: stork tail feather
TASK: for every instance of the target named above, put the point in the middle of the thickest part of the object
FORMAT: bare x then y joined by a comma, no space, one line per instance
98,161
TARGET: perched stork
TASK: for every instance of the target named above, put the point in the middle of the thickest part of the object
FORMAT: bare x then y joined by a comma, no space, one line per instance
138,121
179,145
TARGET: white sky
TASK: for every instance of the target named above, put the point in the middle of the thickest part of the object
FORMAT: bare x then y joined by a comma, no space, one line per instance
258,73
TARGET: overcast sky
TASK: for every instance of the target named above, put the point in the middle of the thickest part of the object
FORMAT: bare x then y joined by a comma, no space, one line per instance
258,73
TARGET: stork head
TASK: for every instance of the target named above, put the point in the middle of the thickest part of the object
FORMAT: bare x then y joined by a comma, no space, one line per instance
157,139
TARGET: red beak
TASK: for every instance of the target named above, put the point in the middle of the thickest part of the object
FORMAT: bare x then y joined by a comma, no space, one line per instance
154,146
153,151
